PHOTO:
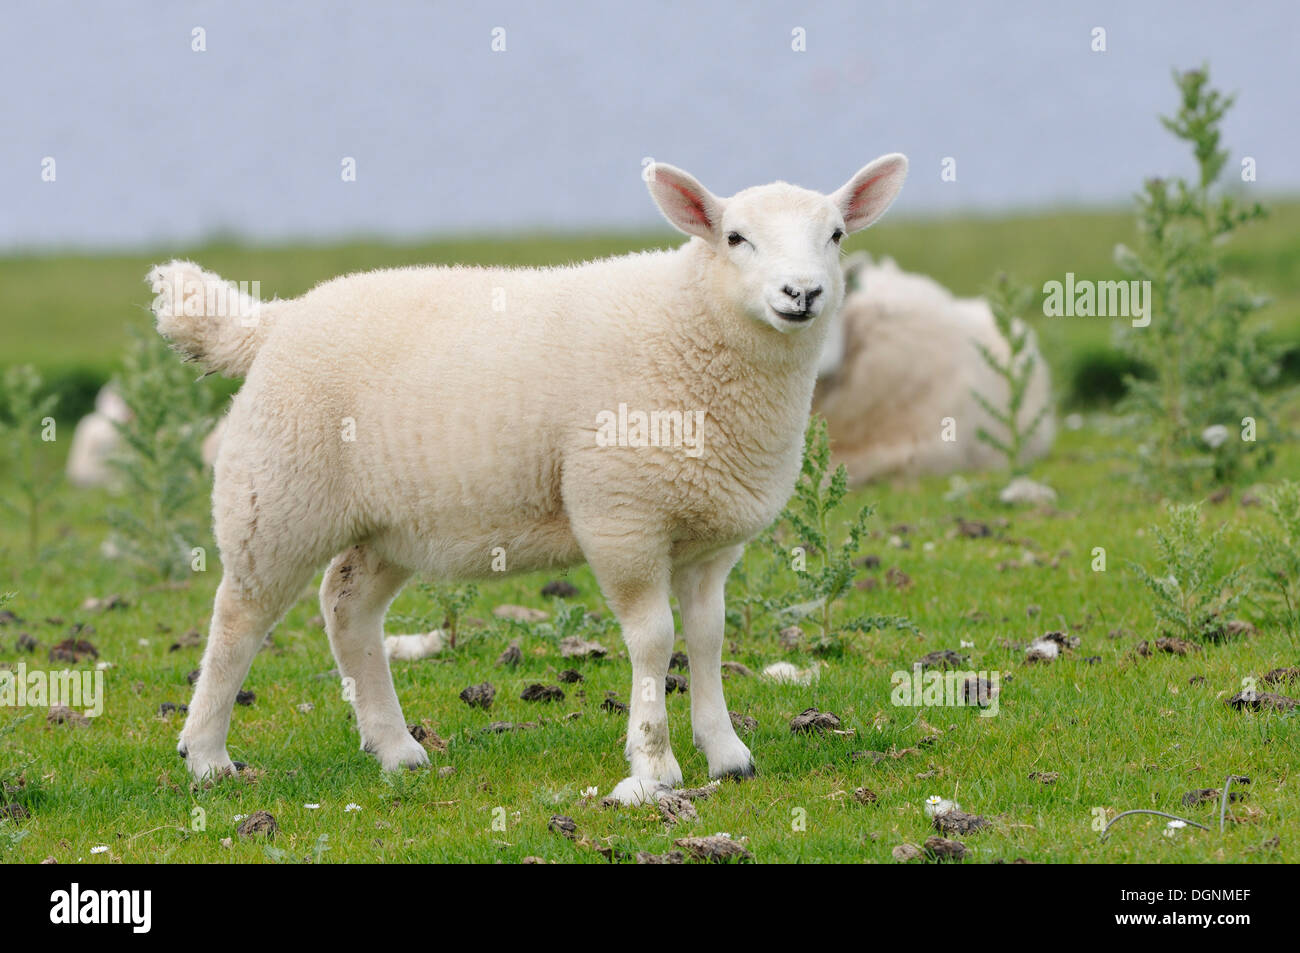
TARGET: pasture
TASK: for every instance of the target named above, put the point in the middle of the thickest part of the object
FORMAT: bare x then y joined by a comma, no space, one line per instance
1100,730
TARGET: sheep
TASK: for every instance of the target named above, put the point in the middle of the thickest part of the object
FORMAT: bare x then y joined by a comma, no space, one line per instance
434,420
96,440
901,358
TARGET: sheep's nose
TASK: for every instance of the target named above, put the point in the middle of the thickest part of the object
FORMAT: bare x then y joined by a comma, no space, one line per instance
804,297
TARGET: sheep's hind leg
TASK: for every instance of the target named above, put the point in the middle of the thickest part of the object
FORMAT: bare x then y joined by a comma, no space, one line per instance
699,591
242,615
354,596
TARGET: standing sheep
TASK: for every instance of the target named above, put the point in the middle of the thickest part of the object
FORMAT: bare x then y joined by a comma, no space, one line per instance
414,420
901,357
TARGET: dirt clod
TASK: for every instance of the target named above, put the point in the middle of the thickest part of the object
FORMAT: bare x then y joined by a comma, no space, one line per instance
959,822
479,696
245,697
512,656
258,824
717,849
1044,777
942,658
537,692
570,676
906,853
942,849
743,723
672,857
810,719
63,715
563,825
560,588
520,613
865,796
1262,701
73,649
614,704
675,683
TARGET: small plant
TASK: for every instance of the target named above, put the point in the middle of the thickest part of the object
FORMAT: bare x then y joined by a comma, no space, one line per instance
25,420
1277,566
572,619
1201,409
13,762
816,495
449,606
1008,302
161,461
1191,599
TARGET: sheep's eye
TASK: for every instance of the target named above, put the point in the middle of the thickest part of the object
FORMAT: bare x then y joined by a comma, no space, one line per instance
735,238
837,235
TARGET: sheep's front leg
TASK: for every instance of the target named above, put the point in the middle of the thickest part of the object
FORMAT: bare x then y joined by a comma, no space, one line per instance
637,591
699,589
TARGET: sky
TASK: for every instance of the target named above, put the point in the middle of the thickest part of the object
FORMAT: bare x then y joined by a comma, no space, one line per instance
498,117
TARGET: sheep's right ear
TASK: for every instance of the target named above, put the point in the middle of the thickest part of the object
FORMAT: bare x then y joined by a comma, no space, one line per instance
688,205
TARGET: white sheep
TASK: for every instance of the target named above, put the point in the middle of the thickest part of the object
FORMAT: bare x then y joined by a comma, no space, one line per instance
430,420
96,440
900,371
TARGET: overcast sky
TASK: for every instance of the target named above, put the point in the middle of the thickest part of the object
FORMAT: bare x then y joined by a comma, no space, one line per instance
155,143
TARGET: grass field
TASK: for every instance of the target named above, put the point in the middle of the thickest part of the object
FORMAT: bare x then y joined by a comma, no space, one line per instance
1119,731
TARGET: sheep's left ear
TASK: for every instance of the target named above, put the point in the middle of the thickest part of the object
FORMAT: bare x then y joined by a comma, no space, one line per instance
688,205
864,198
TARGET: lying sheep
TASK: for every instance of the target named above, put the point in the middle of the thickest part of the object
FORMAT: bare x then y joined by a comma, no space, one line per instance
96,440
423,420
900,360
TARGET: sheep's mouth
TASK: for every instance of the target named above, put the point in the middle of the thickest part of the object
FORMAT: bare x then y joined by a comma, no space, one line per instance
798,317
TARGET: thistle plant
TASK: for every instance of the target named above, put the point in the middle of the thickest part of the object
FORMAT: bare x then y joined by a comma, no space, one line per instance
817,494
161,461
1277,561
26,423
1203,405
1008,301
1190,598
449,605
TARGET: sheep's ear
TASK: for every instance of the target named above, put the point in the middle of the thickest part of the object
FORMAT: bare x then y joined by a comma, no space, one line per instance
864,198
688,205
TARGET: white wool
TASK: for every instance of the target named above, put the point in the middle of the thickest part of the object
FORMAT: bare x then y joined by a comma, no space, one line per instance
787,674
434,420
903,359
412,648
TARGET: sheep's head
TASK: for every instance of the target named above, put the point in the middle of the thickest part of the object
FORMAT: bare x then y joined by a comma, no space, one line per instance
778,246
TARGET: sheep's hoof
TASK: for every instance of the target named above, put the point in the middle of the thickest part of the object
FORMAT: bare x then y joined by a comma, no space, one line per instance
742,773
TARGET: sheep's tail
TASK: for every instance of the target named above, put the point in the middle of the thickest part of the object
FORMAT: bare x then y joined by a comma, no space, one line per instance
209,320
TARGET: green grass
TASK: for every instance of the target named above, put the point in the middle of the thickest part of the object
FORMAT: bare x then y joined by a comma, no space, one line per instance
1122,733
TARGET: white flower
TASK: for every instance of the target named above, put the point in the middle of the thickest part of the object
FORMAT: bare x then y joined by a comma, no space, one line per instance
928,546
312,807
240,817
967,645
351,807
103,666
101,849
590,792
935,806
1173,827
1215,435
